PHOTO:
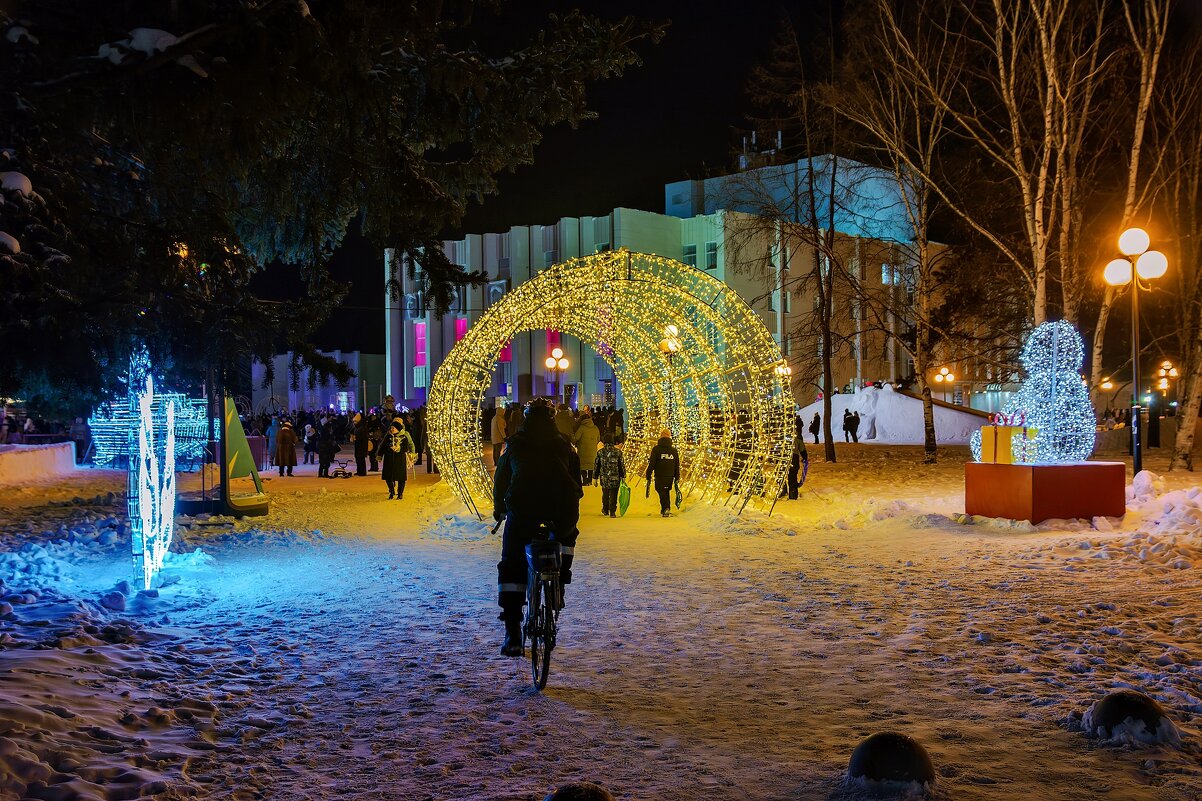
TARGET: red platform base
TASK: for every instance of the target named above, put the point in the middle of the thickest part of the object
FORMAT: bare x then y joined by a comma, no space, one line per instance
1038,492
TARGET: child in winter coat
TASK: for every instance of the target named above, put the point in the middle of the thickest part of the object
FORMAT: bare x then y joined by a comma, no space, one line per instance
609,469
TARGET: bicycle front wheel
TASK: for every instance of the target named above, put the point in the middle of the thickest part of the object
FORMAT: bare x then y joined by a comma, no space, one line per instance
542,632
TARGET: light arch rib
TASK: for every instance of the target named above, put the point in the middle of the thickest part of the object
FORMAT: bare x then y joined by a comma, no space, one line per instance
725,395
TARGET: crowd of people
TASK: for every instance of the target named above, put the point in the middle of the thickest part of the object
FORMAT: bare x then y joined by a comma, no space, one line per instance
383,440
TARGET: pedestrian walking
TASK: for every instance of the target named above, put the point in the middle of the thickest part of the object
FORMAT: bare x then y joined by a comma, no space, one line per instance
847,425
815,426
609,468
327,446
586,439
361,438
285,448
396,448
663,468
500,431
855,427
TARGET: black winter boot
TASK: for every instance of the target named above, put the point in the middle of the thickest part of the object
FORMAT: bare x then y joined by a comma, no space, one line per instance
513,645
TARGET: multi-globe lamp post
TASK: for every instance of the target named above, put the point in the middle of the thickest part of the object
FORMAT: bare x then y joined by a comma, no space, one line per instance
669,346
1168,374
1137,262
944,378
558,364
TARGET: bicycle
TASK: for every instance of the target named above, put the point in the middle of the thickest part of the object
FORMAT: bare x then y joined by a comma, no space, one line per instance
544,597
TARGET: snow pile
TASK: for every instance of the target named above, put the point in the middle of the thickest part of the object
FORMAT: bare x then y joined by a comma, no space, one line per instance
17,33
889,417
1132,731
16,182
147,41
20,464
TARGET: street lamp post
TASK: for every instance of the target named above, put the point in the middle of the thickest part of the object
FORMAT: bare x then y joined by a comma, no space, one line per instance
1137,262
558,364
943,378
669,346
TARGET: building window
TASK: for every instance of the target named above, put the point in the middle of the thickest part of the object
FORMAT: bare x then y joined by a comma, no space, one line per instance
460,328
690,255
711,255
887,275
788,300
419,377
419,344
506,354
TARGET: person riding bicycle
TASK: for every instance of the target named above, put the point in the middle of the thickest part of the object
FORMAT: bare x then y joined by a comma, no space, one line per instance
537,481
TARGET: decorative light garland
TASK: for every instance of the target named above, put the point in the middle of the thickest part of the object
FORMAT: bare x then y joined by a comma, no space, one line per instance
110,424
1052,399
150,483
729,407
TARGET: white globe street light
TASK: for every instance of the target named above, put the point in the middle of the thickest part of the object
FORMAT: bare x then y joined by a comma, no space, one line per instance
1148,266
1134,241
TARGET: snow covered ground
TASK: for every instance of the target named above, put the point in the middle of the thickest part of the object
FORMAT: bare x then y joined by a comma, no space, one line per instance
347,647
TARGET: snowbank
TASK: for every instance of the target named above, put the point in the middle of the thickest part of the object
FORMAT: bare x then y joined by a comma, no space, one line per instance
21,463
888,417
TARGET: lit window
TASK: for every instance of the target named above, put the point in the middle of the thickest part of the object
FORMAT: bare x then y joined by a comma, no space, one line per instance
419,344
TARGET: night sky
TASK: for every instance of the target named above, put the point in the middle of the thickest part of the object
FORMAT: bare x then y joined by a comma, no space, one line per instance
674,117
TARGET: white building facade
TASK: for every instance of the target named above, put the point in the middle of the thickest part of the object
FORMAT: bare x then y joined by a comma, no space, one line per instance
698,229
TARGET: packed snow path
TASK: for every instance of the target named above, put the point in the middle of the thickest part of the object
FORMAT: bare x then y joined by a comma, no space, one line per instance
701,657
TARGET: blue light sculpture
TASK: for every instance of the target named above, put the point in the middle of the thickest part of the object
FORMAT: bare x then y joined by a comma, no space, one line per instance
150,484
1053,399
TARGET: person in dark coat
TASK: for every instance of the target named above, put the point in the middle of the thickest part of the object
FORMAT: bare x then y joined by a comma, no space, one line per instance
537,479
816,426
360,436
847,425
395,449
326,448
565,421
609,469
854,427
663,469
285,448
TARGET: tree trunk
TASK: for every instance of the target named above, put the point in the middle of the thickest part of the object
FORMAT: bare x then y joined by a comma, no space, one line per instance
1099,337
1189,398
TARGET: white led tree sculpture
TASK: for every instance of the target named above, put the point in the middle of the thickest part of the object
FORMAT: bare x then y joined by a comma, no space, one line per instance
1053,399
150,484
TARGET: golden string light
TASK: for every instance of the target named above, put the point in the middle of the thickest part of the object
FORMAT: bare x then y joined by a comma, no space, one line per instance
721,386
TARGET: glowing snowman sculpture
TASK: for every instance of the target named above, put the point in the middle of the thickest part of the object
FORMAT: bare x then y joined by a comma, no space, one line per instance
150,485
1053,399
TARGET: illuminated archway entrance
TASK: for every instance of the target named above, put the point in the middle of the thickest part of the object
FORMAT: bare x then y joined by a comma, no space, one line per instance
724,392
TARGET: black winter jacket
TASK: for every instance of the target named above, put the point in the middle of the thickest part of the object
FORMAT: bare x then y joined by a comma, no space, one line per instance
538,476
664,463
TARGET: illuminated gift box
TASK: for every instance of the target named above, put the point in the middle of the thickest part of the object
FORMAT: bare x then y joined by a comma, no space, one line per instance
1002,438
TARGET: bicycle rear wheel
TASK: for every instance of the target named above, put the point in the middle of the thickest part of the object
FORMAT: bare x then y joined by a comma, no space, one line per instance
542,633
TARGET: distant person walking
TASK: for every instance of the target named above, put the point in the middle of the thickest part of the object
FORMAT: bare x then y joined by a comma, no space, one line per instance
395,450
609,468
854,424
285,448
361,437
663,468
815,426
586,439
273,428
326,448
847,425
500,432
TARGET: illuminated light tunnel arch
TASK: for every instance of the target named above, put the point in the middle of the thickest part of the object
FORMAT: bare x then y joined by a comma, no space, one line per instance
724,395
